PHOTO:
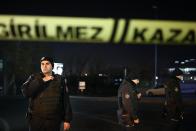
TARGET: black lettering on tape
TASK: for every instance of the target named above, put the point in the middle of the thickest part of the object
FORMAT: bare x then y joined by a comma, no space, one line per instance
81,32
61,34
97,32
24,30
139,34
3,32
37,29
44,31
13,29
174,33
190,37
157,36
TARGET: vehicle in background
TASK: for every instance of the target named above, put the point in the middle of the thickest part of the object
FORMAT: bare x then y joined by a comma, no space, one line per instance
188,87
156,91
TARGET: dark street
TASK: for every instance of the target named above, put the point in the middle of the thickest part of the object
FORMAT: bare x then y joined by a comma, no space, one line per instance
97,114
95,47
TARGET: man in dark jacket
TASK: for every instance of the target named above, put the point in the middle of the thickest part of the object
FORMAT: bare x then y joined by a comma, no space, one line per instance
49,103
128,97
173,100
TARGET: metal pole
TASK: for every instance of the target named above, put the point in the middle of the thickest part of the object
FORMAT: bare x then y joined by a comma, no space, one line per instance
125,72
155,9
155,67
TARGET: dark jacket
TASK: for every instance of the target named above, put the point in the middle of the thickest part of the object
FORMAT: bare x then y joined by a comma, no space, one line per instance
48,99
127,99
173,102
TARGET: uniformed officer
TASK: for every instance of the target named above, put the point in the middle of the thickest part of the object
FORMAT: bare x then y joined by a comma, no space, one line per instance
173,102
128,97
49,103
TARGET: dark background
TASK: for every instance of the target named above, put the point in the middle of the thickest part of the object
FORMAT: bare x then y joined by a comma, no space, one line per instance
22,58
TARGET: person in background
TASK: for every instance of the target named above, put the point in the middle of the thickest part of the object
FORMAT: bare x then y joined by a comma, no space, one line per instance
173,101
128,97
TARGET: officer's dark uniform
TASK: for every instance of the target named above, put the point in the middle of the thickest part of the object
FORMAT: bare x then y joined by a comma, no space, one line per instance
173,103
49,103
128,105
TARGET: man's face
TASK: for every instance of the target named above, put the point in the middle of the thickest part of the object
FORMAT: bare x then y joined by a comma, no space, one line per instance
180,77
136,81
46,67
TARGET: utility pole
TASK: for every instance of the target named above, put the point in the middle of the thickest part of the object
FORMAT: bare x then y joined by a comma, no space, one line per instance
125,72
155,11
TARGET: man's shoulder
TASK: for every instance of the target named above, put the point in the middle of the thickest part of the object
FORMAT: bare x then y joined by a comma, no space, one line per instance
36,75
57,75
62,77
125,85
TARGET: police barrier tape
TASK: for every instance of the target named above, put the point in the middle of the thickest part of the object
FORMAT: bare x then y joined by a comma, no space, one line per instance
55,28
99,30
148,31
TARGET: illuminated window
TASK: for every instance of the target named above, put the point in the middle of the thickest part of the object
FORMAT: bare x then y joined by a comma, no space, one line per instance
100,74
58,68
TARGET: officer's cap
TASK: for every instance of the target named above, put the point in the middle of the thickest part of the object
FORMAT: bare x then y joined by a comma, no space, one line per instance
177,72
133,76
47,58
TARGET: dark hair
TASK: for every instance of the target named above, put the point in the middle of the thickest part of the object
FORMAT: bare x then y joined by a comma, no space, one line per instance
47,58
177,72
132,76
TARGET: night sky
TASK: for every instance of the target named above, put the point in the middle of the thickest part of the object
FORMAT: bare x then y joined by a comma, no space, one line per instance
108,54
172,10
